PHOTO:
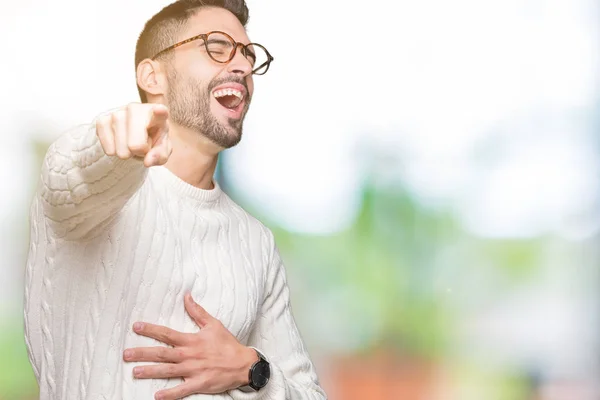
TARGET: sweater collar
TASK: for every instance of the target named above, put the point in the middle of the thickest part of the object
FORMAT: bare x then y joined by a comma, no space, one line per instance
184,188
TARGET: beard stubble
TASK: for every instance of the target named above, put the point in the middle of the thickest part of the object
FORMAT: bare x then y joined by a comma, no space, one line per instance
189,107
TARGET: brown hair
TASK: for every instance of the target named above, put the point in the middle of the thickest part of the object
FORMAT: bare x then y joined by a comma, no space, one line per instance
163,28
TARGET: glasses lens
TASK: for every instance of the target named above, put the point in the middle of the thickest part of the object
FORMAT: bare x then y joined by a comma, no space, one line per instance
219,47
257,56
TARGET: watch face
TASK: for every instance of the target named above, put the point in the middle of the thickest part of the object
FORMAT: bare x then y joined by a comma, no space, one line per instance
261,374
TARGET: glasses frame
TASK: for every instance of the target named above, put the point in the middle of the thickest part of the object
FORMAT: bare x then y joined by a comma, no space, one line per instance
204,37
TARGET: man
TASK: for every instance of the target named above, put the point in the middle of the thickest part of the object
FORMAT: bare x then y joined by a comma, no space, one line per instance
145,280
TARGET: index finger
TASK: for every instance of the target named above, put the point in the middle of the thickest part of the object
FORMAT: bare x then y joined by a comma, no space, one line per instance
137,136
161,333
158,116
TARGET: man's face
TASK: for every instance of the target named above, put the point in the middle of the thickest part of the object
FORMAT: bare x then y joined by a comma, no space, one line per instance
198,89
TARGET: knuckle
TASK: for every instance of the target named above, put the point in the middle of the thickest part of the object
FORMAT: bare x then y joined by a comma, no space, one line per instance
99,125
197,355
123,153
102,123
197,340
182,354
138,147
118,116
172,370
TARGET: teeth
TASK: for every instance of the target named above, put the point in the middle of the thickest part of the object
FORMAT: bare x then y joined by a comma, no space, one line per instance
228,92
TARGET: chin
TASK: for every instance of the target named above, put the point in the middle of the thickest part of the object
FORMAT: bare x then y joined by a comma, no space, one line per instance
235,139
227,137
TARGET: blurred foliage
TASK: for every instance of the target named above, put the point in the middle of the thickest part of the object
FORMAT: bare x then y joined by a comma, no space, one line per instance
397,262
16,375
473,381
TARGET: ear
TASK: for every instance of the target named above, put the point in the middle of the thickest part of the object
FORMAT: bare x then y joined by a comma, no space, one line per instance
151,77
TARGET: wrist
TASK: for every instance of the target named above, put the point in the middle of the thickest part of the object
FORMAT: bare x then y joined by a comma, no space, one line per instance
249,358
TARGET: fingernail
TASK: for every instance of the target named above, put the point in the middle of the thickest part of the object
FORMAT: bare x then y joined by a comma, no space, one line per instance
127,354
137,371
138,326
158,396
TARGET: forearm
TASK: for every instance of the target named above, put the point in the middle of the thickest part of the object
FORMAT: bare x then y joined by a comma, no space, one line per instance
81,187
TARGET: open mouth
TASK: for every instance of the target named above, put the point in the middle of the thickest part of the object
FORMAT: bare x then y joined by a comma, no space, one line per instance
229,98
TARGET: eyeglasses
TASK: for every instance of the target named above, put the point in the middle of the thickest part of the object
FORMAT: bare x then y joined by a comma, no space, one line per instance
222,48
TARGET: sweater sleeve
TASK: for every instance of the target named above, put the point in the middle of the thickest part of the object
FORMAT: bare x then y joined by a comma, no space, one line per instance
276,336
81,187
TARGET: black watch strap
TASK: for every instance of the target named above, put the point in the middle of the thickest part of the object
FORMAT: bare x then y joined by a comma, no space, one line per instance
259,374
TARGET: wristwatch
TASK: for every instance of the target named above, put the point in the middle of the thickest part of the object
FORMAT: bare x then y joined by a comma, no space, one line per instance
259,373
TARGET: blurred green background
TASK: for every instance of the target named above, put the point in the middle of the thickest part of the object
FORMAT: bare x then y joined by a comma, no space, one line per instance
430,171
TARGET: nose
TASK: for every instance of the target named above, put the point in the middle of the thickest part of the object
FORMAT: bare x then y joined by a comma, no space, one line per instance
239,64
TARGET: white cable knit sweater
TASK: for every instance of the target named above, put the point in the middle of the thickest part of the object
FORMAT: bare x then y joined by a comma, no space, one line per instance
113,242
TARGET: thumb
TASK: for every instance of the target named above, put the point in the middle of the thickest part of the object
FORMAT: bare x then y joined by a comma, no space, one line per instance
160,152
197,312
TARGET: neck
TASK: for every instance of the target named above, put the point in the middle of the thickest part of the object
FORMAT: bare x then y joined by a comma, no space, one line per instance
194,158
